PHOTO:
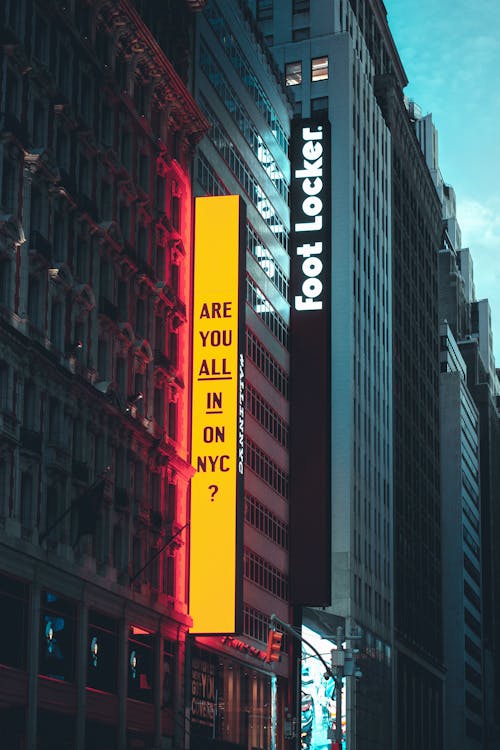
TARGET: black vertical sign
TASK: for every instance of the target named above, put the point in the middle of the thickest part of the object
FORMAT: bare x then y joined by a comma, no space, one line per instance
310,398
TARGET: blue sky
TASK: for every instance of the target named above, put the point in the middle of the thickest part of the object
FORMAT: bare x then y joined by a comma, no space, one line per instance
450,51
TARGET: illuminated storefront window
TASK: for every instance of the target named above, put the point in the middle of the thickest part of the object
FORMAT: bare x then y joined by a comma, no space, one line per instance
140,664
57,636
230,703
102,649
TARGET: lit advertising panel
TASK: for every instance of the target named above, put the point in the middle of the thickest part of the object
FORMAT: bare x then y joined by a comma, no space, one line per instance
310,292
318,699
217,441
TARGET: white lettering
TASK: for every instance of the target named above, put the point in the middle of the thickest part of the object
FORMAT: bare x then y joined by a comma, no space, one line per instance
312,151
312,266
307,304
316,186
311,174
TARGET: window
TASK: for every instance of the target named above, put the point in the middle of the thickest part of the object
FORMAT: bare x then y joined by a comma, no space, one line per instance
57,636
319,105
124,221
106,200
319,68
8,191
264,10
144,171
62,148
172,420
5,282
169,672
168,582
140,316
11,92
263,360
293,73
41,39
300,6
27,499
60,235
13,623
159,406
29,406
102,652
4,385
107,122
298,35
56,325
140,664
38,129
34,300
54,420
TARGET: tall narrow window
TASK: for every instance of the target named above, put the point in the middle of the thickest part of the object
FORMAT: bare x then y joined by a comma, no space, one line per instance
4,385
56,325
5,282
8,192
57,637
26,499
172,420
29,406
140,664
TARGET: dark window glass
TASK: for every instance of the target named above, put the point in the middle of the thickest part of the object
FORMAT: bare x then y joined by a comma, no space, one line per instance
169,670
264,10
140,664
57,636
13,620
102,651
300,6
319,105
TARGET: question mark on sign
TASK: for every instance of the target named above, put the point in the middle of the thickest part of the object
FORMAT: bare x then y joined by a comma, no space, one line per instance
214,489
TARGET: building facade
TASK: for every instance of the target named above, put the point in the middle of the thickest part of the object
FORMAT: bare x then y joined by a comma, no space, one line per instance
469,609
461,551
322,50
97,134
246,153
416,239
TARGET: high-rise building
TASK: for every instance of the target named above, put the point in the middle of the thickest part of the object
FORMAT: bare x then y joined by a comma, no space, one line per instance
245,153
97,133
461,552
386,230
416,239
469,520
323,51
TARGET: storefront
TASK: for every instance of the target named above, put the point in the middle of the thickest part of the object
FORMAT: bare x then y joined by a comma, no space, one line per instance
235,704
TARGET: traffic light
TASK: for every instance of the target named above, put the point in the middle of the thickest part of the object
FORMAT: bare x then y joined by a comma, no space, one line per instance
273,645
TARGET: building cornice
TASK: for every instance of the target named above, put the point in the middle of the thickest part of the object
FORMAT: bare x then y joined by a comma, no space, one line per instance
139,44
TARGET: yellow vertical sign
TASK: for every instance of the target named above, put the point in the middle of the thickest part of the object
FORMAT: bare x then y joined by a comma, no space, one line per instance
217,416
